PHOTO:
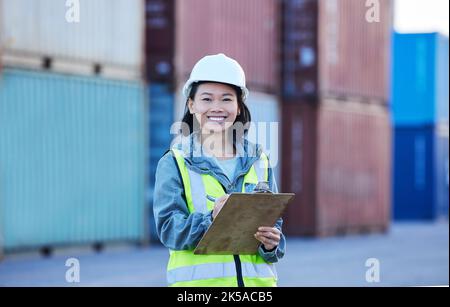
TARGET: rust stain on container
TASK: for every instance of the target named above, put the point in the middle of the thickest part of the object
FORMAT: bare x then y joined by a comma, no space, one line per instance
339,167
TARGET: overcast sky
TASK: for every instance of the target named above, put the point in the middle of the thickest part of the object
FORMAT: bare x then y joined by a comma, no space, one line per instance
421,16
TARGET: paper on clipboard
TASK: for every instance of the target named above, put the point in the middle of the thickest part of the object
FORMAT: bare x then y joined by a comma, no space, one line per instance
232,231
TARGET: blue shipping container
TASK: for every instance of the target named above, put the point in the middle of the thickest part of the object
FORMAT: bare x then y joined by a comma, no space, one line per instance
72,160
419,79
420,183
161,102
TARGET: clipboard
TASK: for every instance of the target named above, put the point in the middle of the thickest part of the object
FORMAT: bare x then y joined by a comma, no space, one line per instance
232,231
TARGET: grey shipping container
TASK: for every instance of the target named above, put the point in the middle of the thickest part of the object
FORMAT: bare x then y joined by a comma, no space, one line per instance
72,160
107,38
336,158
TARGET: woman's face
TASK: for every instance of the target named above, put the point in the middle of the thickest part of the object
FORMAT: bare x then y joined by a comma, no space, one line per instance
215,106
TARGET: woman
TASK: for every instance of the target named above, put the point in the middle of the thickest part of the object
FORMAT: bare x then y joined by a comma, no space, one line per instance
194,179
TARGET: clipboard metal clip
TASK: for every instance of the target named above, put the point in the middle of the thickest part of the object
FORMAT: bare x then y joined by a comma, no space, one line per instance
262,187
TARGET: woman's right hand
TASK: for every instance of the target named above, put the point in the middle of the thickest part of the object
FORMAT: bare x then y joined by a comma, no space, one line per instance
219,204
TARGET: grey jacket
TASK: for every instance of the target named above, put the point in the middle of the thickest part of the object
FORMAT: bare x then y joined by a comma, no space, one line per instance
177,228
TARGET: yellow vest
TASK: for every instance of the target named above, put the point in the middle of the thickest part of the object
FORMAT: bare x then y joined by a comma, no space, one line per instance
185,269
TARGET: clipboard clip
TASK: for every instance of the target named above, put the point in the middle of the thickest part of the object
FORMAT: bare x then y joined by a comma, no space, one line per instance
262,187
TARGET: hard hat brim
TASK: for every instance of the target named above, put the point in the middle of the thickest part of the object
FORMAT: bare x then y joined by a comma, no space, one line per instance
187,88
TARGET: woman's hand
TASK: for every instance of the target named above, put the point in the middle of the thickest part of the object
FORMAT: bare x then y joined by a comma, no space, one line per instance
219,204
269,237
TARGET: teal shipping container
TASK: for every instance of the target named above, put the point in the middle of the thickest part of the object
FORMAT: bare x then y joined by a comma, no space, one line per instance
72,160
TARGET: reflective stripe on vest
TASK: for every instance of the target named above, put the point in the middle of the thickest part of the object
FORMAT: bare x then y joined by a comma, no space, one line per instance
219,270
198,190
188,269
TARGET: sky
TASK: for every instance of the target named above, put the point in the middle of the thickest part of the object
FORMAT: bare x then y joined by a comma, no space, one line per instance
421,16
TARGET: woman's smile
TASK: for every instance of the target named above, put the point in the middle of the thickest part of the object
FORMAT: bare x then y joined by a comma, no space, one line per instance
217,119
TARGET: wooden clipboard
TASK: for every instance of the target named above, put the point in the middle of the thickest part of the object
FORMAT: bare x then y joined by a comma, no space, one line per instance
232,231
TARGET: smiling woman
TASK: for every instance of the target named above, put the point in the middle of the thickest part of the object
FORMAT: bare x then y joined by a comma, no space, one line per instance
195,178
214,103
218,102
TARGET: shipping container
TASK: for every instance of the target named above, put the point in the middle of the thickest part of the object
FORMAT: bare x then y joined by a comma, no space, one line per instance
160,40
442,168
266,128
336,48
299,176
72,160
420,79
95,36
420,181
244,30
336,158
161,101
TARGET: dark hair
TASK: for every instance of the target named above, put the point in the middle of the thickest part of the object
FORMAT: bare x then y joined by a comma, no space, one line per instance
244,117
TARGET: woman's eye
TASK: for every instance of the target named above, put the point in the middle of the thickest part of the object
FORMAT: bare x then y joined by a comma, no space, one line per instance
227,99
206,99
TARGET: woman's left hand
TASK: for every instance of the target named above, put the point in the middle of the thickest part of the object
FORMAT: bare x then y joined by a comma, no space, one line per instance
269,237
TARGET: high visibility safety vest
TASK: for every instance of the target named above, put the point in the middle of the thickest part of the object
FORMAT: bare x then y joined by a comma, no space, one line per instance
185,269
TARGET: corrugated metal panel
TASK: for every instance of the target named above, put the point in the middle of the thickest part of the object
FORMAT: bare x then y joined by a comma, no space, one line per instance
244,30
72,159
420,79
330,49
109,33
442,94
160,40
420,173
353,167
265,112
161,118
336,158
300,48
299,164
355,53
442,170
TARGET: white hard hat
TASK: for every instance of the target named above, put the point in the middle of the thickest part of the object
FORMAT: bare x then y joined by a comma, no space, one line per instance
217,68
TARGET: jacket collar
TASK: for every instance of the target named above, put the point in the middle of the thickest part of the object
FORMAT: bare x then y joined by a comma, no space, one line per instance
198,160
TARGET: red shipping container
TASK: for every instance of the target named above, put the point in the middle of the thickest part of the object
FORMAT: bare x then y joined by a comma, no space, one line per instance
160,40
244,30
336,48
336,158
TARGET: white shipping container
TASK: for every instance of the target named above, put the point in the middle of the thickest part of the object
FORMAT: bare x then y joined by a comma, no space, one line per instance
266,128
109,33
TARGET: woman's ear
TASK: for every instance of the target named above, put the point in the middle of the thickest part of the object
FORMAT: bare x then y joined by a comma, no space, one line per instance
190,104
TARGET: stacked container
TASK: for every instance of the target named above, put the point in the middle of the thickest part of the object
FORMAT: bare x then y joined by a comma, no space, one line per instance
336,135
420,117
244,30
160,73
107,40
72,123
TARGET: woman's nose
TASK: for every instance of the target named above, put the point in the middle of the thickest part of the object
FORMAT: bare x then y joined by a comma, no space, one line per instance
216,105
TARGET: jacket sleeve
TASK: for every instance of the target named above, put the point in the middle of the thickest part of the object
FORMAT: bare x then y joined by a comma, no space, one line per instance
278,253
176,227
